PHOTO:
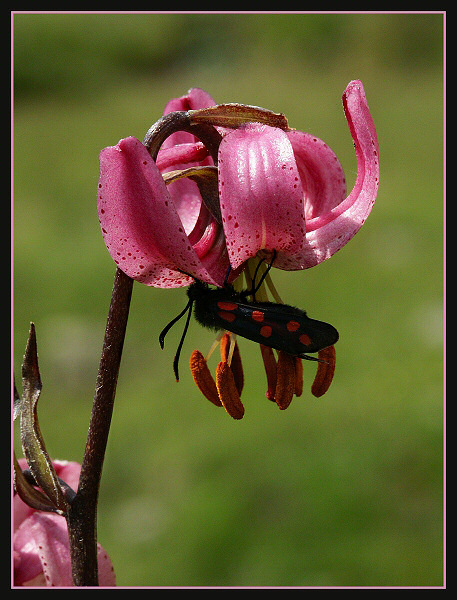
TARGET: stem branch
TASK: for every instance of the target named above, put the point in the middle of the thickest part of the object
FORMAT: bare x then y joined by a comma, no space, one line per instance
82,516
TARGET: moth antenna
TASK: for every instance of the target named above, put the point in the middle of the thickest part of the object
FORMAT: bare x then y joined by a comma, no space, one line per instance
306,357
181,342
228,275
171,323
262,279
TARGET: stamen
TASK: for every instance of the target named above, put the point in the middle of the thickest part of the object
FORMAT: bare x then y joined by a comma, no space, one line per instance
285,386
273,291
228,392
215,344
325,371
227,348
269,360
203,378
258,268
298,376
255,269
230,354
247,273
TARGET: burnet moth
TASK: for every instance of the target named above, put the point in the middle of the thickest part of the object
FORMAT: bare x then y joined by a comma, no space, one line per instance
279,326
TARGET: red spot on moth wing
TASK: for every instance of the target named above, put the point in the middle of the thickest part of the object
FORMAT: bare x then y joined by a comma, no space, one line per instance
266,331
227,305
305,339
227,316
258,315
293,325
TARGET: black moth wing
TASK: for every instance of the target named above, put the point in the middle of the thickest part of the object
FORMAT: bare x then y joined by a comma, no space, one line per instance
281,320
267,323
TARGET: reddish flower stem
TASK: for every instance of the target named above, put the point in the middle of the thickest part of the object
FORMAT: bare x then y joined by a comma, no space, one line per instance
82,516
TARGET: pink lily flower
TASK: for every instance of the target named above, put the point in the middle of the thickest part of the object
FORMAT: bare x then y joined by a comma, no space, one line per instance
278,190
280,193
41,547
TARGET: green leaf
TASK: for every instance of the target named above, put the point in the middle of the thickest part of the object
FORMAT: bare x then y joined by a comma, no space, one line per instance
32,440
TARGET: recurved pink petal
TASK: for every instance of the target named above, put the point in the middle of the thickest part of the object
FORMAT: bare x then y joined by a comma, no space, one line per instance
169,158
181,150
194,99
321,173
184,192
329,230
260,193
141,226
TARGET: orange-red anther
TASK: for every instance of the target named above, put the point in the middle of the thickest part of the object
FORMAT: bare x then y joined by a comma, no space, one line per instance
225,346
203,378
235,363
285,386
228,392
325,371
269,360
298,376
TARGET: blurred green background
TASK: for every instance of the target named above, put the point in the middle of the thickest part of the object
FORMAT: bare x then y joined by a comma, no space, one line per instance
341,491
